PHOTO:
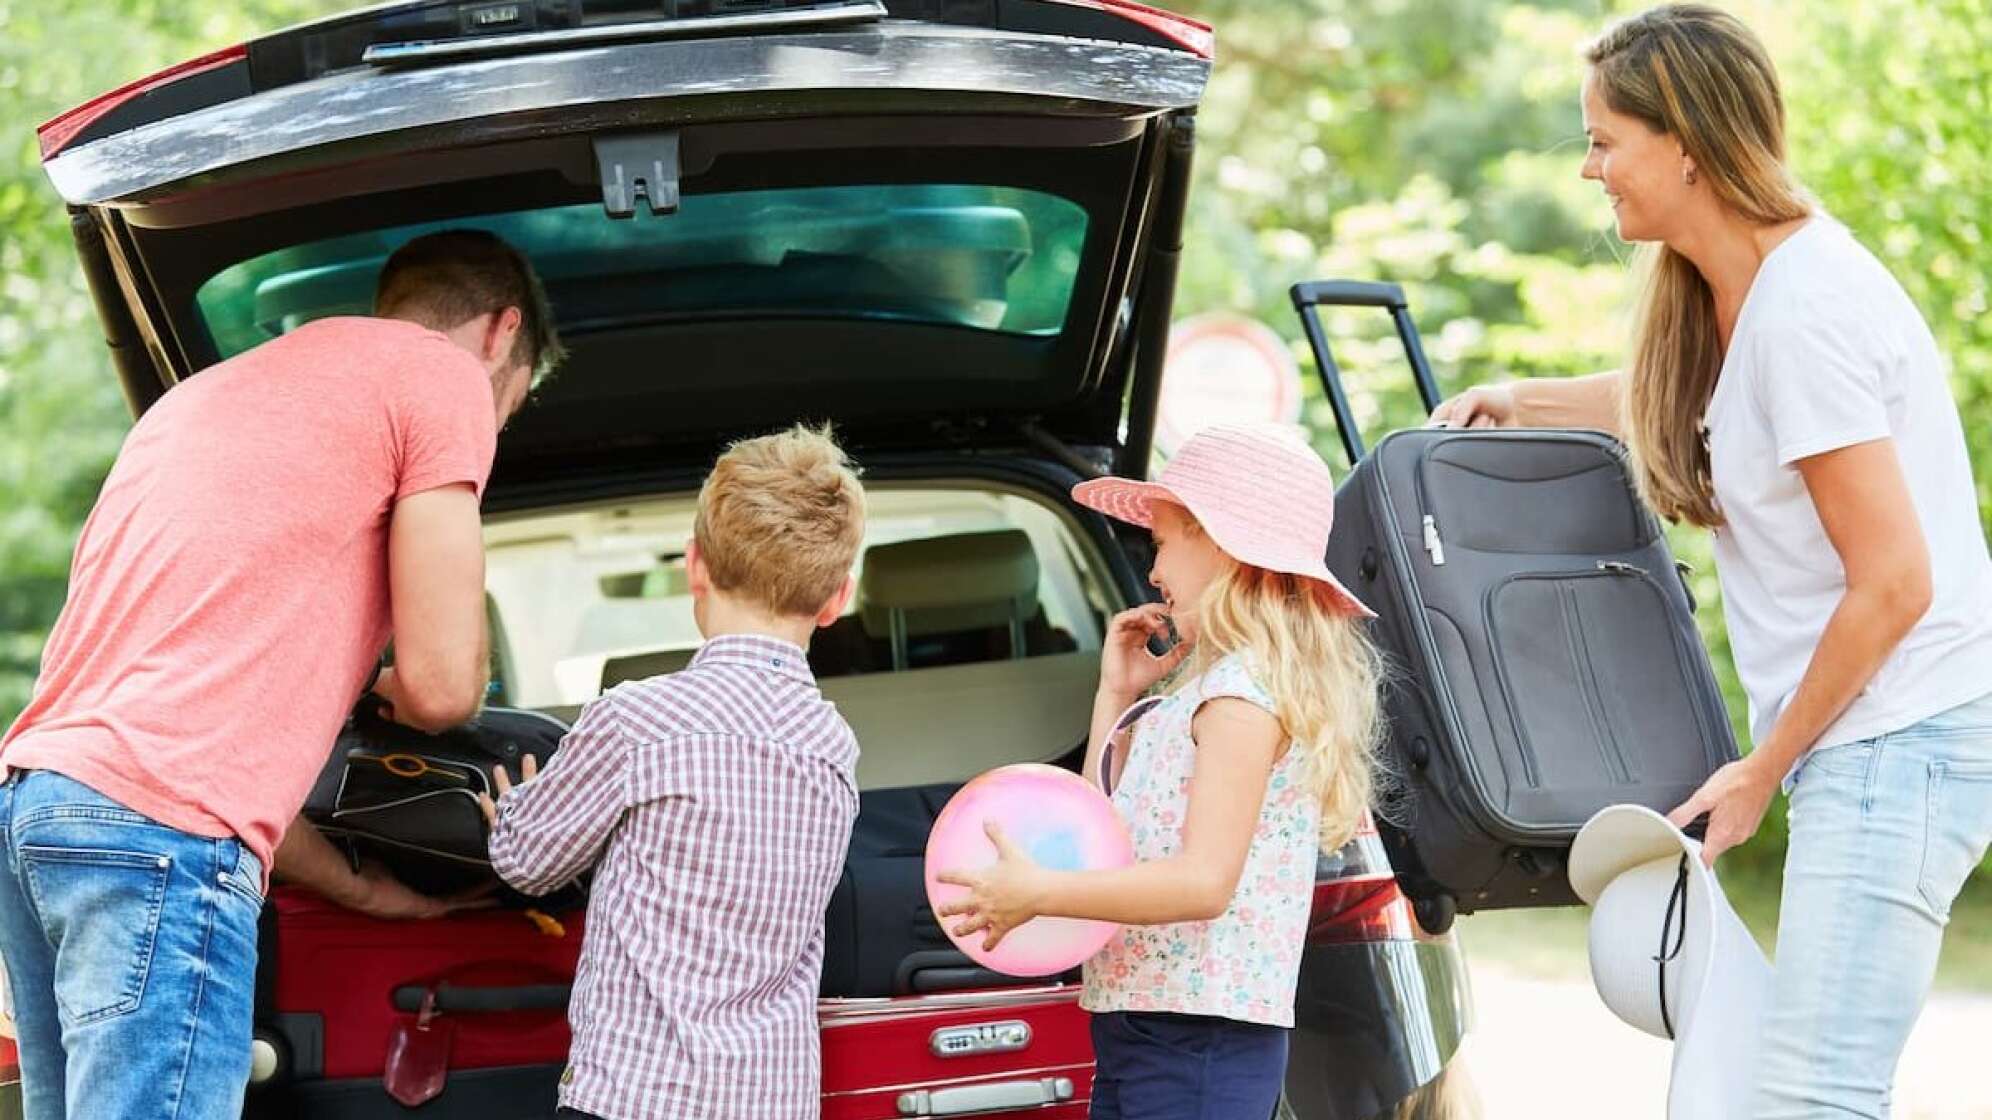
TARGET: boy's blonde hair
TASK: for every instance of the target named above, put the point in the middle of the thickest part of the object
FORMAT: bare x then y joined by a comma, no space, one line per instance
1321,669
780,520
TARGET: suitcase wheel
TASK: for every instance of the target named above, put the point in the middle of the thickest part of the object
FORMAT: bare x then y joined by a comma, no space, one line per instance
1539,863
269,1058
1435,914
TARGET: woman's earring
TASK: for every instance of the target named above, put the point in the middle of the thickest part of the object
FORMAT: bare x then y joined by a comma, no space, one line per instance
1688,175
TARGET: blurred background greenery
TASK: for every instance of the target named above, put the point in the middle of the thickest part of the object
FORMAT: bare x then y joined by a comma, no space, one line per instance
1430,142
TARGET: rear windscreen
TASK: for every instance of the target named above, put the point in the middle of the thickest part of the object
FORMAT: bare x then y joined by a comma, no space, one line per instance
989,258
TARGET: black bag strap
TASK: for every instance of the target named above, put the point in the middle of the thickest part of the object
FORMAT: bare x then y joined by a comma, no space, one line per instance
1677,903
1126,723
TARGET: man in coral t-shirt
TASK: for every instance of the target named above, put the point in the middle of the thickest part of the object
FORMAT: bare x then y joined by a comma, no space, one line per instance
268,526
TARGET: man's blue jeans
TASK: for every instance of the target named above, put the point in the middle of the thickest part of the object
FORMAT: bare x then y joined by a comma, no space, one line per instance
1884,832
131,950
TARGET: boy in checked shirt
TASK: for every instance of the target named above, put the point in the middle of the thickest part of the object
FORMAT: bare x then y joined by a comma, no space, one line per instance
717,803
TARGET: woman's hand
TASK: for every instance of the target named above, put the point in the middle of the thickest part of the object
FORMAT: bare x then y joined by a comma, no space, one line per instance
1735,799
1127,669
1483,406
1000,897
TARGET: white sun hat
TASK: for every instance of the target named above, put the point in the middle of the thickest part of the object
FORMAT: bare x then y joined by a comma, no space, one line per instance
1670,957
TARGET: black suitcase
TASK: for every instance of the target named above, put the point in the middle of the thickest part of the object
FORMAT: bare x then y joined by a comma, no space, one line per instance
409,799
880,937
1545,662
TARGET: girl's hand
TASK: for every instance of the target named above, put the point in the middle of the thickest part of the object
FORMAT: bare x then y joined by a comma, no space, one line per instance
1127,669
1000,897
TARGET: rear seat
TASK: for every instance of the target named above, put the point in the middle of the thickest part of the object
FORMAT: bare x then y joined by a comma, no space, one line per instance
953,585
984,680
951,723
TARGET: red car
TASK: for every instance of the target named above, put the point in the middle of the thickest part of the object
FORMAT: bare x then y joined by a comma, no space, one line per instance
952,227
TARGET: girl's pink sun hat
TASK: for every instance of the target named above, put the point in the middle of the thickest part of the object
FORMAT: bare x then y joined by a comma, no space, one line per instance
1259,490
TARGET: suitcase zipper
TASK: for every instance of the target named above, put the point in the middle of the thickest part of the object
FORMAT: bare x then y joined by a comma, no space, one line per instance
1436,548
1612,753
1433,545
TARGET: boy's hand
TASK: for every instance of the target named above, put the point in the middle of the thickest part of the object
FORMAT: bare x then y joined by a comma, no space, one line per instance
1001,897
528,769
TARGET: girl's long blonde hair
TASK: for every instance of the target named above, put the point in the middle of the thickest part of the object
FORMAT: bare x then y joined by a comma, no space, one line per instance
1322,672
1697,74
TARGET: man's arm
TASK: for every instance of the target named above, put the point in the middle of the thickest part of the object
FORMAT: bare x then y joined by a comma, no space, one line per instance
306,858
435,556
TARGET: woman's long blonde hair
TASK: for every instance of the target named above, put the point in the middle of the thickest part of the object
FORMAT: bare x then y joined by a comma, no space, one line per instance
1699,75
1315,659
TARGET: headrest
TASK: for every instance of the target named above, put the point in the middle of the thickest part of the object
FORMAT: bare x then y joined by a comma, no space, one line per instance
643,666
970,581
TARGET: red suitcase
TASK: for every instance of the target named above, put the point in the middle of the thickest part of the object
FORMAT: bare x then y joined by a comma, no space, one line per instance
340,987
1011,1052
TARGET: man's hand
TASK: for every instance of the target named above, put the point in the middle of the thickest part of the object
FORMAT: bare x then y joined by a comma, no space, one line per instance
1735,799
387,687
528,770
306,858
375,892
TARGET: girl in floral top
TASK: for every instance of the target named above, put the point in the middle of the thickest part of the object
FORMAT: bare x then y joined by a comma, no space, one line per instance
1230,781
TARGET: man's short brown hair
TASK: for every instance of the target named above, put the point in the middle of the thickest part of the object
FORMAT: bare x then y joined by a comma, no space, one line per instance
443,280
780,520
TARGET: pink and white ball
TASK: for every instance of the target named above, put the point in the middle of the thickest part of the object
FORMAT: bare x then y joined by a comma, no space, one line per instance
1057,818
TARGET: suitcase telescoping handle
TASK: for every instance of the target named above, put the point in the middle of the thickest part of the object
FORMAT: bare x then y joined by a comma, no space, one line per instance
1359,293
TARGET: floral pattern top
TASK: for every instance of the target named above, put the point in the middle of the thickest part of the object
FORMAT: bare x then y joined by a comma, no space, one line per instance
1242,965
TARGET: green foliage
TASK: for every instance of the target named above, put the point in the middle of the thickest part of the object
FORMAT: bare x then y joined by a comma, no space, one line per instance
1437,144
61,416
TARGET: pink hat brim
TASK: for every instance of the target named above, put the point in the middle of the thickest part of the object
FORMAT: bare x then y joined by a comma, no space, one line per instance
1125,499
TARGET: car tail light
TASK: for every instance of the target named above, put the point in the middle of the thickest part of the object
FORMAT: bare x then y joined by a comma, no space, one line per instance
1359,909
1192,35
56,134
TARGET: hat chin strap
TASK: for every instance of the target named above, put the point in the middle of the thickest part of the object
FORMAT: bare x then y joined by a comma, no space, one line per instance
1676,902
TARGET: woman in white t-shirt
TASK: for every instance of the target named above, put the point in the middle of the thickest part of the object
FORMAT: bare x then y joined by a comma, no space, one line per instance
1784,392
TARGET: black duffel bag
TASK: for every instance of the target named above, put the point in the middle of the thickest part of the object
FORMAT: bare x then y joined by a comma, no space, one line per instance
409,800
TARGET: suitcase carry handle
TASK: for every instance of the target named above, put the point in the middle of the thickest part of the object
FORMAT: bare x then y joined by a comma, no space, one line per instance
466,998
949,970
1359,293
998,1096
